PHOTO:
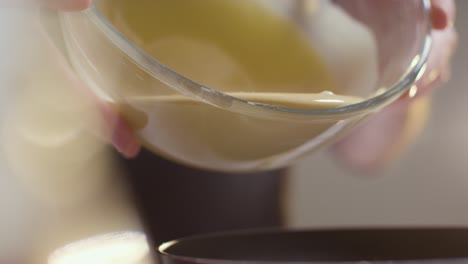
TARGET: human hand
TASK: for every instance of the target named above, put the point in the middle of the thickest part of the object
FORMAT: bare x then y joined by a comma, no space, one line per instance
118,132
384,137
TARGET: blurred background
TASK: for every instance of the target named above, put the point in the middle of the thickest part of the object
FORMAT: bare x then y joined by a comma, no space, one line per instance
428,186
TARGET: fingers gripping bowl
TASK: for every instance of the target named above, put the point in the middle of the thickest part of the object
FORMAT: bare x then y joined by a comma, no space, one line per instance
247,85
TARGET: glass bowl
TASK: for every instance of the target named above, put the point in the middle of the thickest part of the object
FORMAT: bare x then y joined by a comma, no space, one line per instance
373,52
379,245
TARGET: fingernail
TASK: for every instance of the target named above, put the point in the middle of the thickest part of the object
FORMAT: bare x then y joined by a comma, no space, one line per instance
443,14
124,139
439,18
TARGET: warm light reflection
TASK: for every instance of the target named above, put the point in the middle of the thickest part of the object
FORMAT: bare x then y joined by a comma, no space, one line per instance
167,245
330,101
380,91
415,61
413,64
413,91
52,142
433,76
114,248
421,72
